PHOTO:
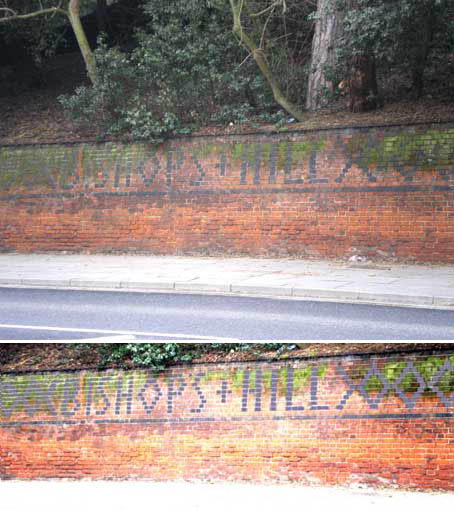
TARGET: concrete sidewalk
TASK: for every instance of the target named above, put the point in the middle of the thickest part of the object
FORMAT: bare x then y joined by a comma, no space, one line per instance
407,285
57,495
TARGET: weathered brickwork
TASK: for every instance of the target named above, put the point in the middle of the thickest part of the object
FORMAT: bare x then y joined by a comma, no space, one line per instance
386,420
382,190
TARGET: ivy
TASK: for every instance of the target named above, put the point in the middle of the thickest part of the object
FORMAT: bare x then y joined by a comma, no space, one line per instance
159,356
183,73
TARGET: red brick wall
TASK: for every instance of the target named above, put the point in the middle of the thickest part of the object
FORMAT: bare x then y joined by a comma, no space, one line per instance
381,420
385,191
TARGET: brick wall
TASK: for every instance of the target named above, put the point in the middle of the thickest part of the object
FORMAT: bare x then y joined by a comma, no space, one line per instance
386,420
385,191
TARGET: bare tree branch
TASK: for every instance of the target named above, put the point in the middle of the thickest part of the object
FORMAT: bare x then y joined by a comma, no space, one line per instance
269,8
262,38
73,14
15,16
8,10
260,58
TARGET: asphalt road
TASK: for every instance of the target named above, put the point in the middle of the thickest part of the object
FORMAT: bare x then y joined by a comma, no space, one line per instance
41,314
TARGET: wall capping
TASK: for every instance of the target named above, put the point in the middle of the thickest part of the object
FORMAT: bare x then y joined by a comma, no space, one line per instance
231,135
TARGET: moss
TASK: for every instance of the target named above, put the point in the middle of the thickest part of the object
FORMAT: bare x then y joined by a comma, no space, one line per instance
266,379
374,384
206,150
299,151
301,377
427,150
322,370
109,389
36,166
238,379
237,151
216,375
21,383
140,378
427,367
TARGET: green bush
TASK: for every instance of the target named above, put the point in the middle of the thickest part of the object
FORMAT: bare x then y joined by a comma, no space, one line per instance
159,356
184,72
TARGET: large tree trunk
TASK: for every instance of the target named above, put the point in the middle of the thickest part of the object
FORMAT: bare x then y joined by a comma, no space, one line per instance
362,80
323,60
363,84
422,49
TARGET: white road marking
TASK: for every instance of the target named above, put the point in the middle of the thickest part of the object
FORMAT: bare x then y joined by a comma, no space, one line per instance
116,338
117,333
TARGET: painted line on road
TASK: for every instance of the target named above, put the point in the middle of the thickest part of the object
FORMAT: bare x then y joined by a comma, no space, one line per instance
116,332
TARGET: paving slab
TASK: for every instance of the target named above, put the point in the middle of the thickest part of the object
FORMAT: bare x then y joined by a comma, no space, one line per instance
126,495
408,285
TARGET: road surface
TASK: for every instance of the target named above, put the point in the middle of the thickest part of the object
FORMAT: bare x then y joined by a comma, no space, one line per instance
44,314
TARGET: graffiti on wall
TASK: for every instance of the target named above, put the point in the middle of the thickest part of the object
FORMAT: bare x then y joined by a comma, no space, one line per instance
304,165
378,389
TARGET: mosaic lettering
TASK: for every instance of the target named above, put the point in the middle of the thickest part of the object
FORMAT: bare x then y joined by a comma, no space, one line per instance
297,390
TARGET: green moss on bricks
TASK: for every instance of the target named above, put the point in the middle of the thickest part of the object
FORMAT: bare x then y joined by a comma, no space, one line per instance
237,151
266,379
140,378
299,151
301,377
238,379
21,384
427,150
35,166
96,159
97,393
216,375
209,149
427,367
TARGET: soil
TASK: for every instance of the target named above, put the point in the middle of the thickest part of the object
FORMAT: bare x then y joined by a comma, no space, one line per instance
25,357
31,114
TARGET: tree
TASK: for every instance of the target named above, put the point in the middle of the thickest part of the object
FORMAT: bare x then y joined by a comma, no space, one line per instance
323,60
184,70
18,10
398,36
361,68
254,40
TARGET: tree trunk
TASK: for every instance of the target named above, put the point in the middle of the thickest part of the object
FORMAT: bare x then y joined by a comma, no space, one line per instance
362,80
323,60
363,84
73,14
258,55
76,24
425,36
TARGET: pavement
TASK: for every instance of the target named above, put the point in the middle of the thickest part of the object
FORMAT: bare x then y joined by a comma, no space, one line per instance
428,286
126,495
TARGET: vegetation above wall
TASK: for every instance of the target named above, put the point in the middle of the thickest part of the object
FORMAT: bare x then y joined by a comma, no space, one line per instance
166,68
19,357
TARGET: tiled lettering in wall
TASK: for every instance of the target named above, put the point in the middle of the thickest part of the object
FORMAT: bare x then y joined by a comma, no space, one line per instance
377,388
303,162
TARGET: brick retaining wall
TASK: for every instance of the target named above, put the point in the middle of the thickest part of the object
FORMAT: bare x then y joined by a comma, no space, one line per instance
386,191
374,419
